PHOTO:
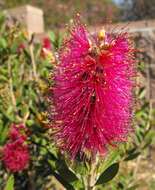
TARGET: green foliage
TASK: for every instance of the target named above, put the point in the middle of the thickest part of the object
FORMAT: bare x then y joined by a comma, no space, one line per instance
10,183
56,39
23,87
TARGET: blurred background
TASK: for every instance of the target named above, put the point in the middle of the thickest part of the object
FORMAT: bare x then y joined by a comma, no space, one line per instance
94,12
30,32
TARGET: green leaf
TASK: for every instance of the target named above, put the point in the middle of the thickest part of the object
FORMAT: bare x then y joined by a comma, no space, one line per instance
52,36
3,43
9,113
10,183
2,18
108,174
63,181
132,156
29,122
4,133
60,39
65,172
3,78
142,93
112,158
131,151
80,168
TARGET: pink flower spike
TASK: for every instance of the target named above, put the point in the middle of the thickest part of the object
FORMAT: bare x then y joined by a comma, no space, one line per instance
15,153
16,156
93,91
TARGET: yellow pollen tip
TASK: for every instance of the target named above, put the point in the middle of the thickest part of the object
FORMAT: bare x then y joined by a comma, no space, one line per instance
101,34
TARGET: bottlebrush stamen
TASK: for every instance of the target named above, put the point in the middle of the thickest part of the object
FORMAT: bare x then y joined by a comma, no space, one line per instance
93,91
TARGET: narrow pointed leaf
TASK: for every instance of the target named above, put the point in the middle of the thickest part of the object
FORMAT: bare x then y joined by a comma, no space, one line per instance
108,174
132,156
63,181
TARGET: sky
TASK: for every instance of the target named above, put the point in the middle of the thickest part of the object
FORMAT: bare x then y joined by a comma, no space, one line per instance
118,1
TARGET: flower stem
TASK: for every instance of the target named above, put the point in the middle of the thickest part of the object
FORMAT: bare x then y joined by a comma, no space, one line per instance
91,178
13,98
11,85
31,48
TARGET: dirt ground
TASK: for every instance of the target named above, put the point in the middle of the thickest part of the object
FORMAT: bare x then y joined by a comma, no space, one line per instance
144,170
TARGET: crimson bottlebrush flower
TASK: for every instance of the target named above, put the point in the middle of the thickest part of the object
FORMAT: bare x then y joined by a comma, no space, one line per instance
93,91
46,50
16,156
47,43
15,153
46,47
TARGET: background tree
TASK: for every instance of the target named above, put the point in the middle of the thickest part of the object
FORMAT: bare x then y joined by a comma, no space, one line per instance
58,12
137,9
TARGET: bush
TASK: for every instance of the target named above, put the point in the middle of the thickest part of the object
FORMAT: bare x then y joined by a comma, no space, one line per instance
25,77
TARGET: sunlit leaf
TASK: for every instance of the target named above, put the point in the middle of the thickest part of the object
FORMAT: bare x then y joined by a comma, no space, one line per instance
10,183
